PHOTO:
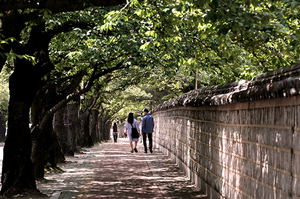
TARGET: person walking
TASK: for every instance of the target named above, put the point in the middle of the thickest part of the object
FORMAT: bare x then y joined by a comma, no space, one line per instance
115,132
125,133
132,123
147,129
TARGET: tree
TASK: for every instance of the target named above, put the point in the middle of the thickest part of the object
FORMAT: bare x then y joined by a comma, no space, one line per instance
17,173
223,41
46,149
234,39
217,42
78,56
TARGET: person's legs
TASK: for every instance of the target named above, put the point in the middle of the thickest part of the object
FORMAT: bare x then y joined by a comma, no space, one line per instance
150,141
144,141
131,147
135,145
114,137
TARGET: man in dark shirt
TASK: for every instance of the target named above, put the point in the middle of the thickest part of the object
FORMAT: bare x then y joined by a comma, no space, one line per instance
147,129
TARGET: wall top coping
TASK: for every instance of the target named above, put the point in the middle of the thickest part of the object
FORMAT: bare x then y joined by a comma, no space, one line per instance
284,82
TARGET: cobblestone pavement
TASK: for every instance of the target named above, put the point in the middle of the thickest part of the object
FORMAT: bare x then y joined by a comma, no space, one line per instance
109,170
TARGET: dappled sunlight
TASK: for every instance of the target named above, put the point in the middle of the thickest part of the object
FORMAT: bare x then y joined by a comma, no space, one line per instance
117,155
113,172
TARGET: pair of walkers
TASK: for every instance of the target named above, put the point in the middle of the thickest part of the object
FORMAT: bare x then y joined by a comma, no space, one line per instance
147,130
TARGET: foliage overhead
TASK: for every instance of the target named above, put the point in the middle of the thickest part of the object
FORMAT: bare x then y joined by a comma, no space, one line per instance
167,44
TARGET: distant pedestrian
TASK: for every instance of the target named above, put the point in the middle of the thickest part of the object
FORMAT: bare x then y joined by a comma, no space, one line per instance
115,132
147,129
132,123
125,133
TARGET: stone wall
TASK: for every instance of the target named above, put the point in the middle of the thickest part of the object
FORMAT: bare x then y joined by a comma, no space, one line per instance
239,140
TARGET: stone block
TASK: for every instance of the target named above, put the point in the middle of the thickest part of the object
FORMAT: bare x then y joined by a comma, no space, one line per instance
252,187
238,164
214,115
248,168
259,191
245,131
270,193
252,134
247,188
232,178
296,185
296,141
201,115
279,116
251,150
287,161
240,148
283,182
218,169
290,116
202,173
268,175
297,116
226,159
226,174
270,119
243,116
255,116
234,162
192,114
240,182
296,164
256,172
288,139
230,117
230,192
215,154
222,117
227,191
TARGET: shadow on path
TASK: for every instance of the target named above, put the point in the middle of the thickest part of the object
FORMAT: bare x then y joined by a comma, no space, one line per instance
109,170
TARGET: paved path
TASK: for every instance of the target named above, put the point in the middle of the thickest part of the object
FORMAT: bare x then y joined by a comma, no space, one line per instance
109,170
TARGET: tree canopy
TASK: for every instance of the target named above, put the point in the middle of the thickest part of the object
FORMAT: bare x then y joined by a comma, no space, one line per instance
133,54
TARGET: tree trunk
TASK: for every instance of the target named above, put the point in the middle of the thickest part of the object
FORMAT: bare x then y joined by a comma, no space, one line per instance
46,149
60,129
107,130
53,151
100,129
104,135
37,137
38,153
17,171
94,136
74,126
85,121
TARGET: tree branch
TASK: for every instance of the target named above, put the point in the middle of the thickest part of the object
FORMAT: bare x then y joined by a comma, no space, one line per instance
57,6
77,93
